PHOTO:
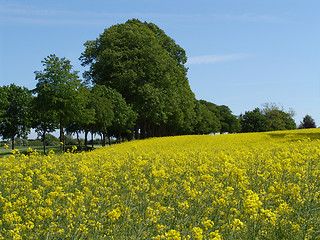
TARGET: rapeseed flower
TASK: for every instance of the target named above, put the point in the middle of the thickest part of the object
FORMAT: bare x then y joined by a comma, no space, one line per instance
237,186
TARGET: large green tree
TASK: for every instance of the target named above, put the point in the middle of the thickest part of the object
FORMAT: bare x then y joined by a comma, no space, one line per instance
15,112
57,89
146,67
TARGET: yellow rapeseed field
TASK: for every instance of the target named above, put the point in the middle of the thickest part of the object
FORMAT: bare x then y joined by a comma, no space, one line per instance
236,186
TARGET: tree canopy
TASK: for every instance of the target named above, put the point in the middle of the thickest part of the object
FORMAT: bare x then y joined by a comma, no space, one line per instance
135,86
15,112
307,122
146,67
57,91
270,118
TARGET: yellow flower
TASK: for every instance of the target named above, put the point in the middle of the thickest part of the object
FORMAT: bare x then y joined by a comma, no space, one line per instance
197,233
114,214
74,148
207,224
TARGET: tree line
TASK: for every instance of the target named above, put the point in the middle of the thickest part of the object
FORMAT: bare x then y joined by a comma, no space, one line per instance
135,87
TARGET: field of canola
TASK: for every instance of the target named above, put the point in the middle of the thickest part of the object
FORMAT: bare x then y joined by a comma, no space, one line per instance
237,186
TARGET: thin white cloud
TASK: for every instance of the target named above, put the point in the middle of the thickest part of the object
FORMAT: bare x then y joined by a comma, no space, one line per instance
250,17
211,59
14,13
21,13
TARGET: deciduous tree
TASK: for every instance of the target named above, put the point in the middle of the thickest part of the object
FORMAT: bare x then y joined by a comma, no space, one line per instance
307,122
146,67
253,121
15,112
57,88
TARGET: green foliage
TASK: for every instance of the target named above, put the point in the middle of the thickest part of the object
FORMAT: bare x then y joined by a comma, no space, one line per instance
139,89
15,112
51,140
224,120
57,87
229,122
102,105
57,90
146,67
69,140
35,142
279,120
206,118
253,121
270,118
123,115
3,102
307,122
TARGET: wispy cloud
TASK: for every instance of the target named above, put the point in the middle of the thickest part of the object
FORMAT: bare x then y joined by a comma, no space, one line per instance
28,14
250,17
210,59
18,13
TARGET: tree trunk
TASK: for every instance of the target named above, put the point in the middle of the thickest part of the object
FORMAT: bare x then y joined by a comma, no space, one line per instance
78,139
44,142
143,129
103,139
119,137
86,138
62,148
12,141
92,139
136,131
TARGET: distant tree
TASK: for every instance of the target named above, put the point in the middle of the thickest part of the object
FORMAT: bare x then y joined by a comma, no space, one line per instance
277,118
269,118
51,140
307,122
70,140
253,121
57,87
15,113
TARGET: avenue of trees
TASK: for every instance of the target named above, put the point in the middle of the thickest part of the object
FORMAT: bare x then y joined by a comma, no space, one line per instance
135,87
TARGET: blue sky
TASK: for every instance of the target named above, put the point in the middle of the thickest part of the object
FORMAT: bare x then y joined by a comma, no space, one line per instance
241,53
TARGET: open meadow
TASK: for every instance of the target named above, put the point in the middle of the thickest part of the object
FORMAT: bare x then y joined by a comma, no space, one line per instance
235,186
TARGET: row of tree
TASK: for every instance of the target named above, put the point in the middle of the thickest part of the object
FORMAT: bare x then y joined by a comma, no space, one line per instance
102,110
77,109
135,87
